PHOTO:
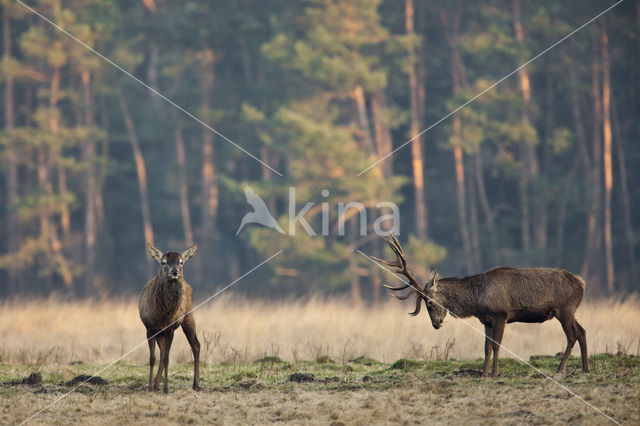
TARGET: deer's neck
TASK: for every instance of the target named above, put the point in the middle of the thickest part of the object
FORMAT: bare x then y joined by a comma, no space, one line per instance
458,296
168,295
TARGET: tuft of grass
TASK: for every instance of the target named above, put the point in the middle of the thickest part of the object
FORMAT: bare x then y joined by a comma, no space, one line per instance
365,361
243,375
269,359
324,359
403,364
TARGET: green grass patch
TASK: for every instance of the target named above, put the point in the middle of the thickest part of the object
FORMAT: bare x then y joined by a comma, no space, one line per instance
364,373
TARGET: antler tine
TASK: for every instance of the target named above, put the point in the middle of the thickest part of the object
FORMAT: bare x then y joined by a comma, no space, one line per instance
402,287
400,265
397,250
386,262
418,307
397,243
406,296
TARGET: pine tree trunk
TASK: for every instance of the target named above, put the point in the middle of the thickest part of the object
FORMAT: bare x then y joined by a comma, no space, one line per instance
246,61
363,121
209,174
51,230
152,71
459,80
12,223
384,146
529,166
382,130
638,38
607,160
476,248
102,171
88,154
65,220
591,268
461,194
586,161
420,203
624,189
183,186
578,120
141,171
484,203
65,215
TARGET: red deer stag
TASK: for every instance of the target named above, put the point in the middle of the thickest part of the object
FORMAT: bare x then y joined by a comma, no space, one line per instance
497,297
165,304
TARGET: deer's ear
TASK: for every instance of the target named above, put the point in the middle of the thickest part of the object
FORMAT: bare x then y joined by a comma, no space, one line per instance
432,281
188,253
154,252
436,279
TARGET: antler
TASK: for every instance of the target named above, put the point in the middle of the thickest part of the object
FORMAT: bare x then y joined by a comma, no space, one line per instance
400,265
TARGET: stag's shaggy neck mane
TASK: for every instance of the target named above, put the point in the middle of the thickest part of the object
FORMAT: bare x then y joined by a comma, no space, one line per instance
458,296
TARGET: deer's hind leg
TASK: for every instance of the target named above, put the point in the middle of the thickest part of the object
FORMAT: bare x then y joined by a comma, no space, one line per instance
581,334
189,328
498,332
567,320
151,340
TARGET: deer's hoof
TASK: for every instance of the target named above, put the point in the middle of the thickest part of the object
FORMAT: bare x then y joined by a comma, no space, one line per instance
196,387
165,391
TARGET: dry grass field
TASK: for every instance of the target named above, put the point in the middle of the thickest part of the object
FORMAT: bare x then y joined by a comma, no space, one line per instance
234,330
64,339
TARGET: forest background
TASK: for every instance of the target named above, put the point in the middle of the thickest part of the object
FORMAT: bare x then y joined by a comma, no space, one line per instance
538,171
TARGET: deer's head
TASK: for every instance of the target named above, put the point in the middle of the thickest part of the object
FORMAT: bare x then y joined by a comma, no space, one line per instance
431,298
171,262
428,292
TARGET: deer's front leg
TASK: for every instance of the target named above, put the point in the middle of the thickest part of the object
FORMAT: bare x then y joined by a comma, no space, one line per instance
488,332
167,347
161,344
152,357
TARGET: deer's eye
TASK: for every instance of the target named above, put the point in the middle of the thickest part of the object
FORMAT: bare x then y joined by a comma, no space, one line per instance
164,262
181,261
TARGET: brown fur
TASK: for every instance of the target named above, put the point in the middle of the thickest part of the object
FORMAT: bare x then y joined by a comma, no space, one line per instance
499,296
165,304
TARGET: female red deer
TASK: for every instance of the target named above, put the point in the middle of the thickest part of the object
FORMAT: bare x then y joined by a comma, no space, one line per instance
165,304
497,297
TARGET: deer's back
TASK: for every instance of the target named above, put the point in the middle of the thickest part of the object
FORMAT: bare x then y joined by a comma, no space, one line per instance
164,303
537,293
